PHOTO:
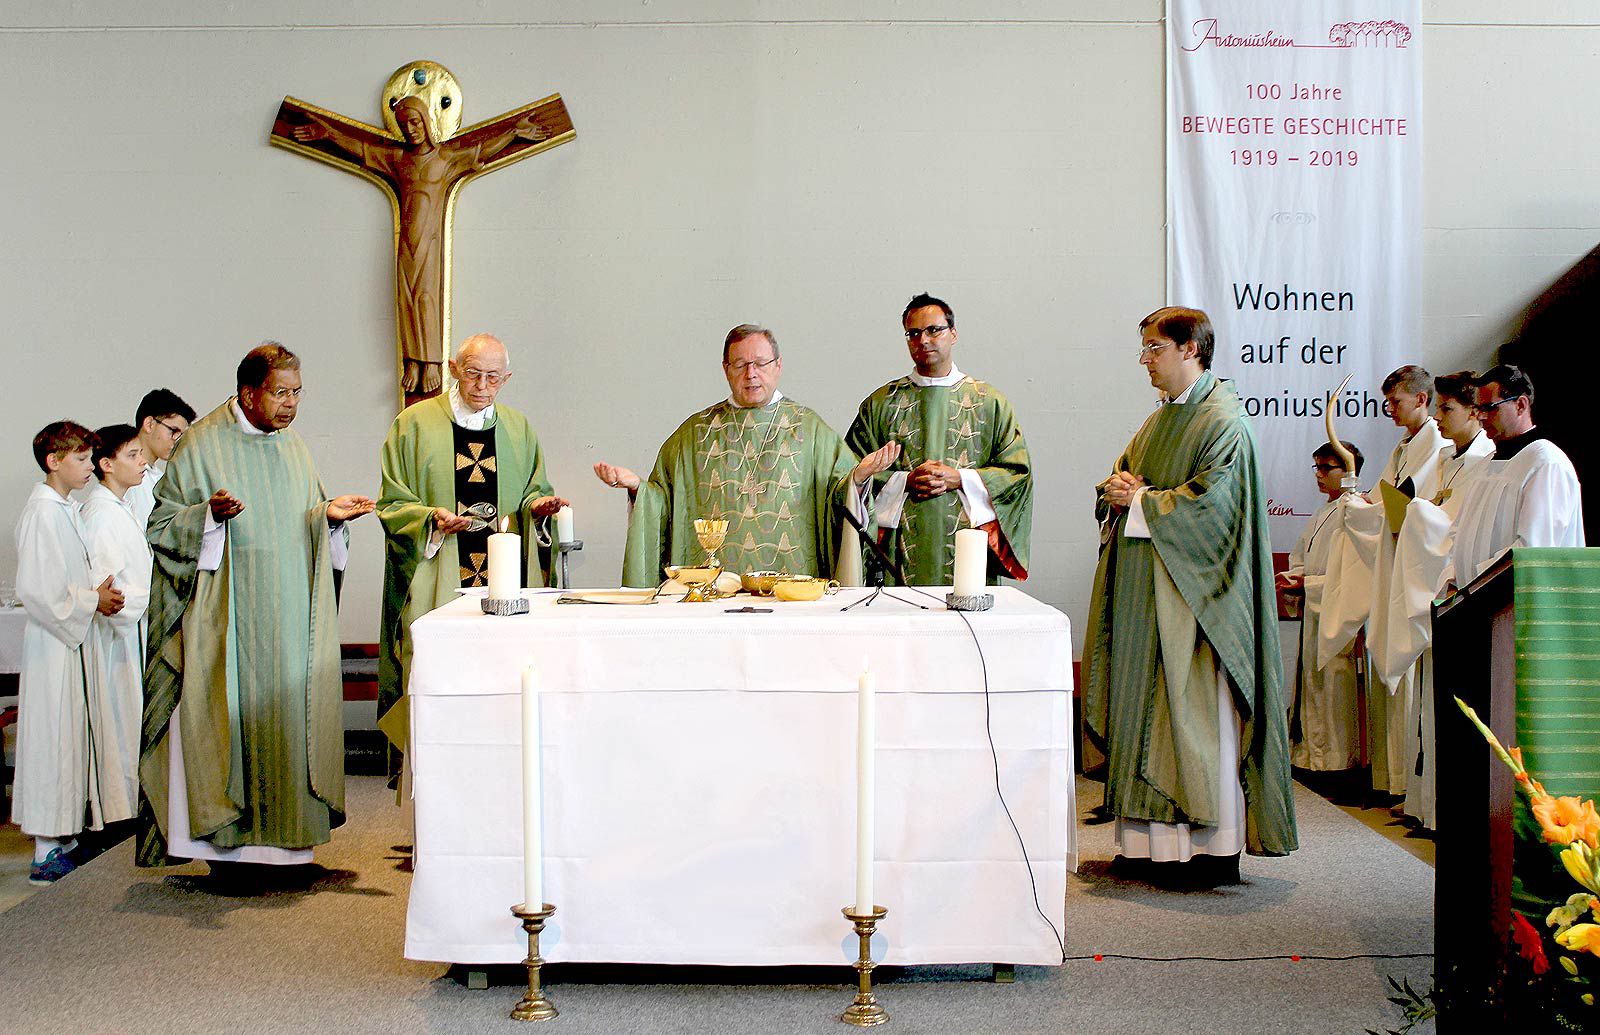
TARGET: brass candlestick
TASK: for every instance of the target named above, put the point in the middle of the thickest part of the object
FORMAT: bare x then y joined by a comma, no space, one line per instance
535,1005
865,1011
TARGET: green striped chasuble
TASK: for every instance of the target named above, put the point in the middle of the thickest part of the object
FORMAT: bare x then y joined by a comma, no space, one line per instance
1160,606
245,657
776,473
968,425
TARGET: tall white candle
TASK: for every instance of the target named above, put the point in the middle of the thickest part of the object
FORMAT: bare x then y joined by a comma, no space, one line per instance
505,566
972,561
564,526
532,805
866,785
848,570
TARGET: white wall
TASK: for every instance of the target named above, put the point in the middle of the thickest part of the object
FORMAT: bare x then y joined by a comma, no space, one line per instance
804,165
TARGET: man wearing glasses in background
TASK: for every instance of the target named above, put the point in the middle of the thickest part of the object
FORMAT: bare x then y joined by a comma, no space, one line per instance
768,466
162,418
963,460
1528,496
454,468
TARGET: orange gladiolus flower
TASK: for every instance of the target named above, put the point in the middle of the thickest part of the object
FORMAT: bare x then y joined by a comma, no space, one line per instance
1566,820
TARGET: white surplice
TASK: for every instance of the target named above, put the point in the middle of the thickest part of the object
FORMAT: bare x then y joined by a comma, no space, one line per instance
1415,456
1454,471
54,778
1324,697
1532,499
117,547
142,497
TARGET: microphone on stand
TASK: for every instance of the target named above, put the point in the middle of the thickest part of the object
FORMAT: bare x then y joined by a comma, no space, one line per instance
880,563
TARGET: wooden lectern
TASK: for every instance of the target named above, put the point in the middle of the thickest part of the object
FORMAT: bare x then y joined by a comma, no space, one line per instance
1474,655
1518,645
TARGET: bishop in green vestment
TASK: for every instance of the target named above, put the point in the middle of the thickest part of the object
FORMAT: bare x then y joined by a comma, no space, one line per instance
454,467
963,460
243,657
1181,673
769,466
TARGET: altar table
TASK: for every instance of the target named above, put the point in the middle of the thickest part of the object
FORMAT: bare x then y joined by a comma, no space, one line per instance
699,780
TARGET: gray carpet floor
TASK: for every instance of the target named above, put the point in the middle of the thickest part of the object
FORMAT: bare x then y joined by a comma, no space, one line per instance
115,949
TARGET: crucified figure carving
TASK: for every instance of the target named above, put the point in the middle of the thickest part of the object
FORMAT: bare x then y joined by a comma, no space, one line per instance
422,176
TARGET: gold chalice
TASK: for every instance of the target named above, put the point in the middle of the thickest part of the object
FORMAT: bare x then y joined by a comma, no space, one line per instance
711,533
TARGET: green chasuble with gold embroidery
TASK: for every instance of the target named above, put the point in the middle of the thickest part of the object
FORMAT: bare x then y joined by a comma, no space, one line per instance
776,473
1166,610
246,657
968,425
421,466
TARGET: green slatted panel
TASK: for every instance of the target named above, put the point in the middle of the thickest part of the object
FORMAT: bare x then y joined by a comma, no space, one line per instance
1557,610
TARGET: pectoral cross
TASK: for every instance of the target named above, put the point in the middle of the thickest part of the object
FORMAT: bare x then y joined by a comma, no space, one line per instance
421,163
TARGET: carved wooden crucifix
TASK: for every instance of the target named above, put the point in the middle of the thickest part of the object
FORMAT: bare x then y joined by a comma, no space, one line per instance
421,161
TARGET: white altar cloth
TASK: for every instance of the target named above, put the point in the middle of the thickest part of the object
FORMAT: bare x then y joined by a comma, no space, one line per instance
699,781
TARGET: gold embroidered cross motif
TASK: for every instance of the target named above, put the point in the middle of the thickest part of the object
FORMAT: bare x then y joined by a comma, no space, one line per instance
477,461
473,573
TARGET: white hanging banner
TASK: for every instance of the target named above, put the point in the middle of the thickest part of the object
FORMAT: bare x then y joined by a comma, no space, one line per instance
1294,171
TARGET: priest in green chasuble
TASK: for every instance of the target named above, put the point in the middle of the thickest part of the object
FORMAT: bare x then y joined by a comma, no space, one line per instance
1181,673
455,467
963,464
769,466
242,742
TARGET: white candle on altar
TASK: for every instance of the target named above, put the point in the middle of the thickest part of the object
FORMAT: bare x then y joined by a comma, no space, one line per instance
505,566
972,561
564,526
532,806
866,785
848,570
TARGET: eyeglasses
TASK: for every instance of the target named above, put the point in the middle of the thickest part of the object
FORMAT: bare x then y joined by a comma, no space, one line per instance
1325,468
492,379
176,433
281,394
743,365
914,333
1150,350
1487,409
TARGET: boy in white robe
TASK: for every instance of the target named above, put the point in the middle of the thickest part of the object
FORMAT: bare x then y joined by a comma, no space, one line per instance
61,594
117,546
1407,398
162,418
1420,554
1323,719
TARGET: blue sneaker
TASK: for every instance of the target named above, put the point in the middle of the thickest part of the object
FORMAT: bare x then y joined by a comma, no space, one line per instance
55,866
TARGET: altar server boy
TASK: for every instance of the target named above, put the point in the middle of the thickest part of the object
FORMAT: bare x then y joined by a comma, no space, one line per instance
55,775
117,547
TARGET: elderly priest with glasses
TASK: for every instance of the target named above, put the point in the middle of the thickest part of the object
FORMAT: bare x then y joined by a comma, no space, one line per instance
770,467
455,467
242,747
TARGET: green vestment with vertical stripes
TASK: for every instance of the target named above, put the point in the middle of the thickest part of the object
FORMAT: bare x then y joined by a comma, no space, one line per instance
245,658
968,425
419,474
1160,607
776,473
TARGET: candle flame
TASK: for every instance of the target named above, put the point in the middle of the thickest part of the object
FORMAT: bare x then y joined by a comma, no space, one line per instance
505,523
